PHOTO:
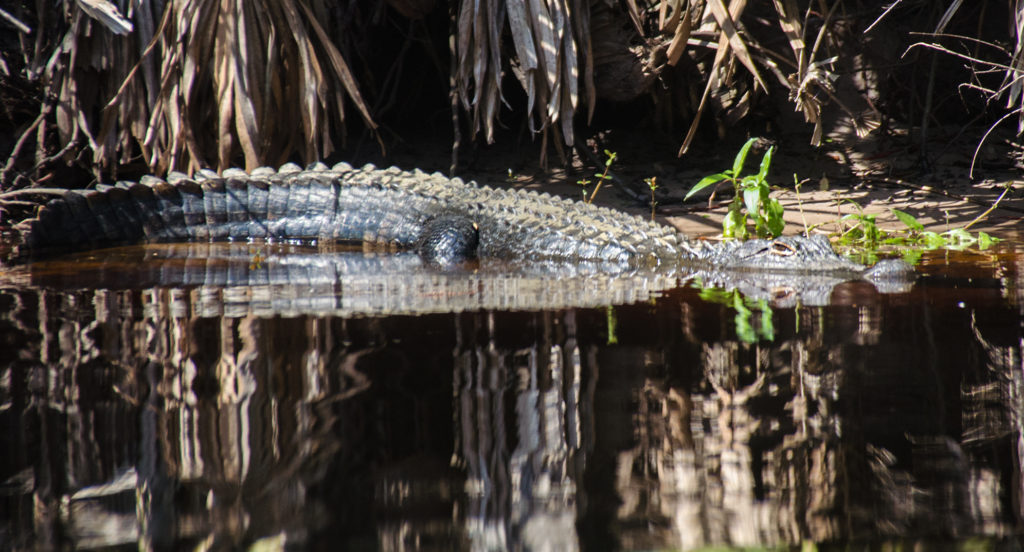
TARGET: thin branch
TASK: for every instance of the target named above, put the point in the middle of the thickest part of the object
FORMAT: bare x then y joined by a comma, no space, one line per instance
880,17
1006,189
957,54
16,151
15,22
983,138
959,37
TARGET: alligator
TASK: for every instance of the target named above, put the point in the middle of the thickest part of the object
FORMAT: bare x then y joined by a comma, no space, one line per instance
445,220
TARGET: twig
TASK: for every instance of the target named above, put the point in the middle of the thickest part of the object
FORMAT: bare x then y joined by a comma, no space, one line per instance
149,49
72,143
943,49
15,21
16,151
1006,189
974,157
800,205
880,17
926,114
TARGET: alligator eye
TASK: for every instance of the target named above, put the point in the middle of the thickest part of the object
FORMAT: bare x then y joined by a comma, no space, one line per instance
782,249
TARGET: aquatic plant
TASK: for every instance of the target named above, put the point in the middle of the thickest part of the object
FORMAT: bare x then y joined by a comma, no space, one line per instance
865,240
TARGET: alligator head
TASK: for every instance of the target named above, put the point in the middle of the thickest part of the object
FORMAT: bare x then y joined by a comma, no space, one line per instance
807,257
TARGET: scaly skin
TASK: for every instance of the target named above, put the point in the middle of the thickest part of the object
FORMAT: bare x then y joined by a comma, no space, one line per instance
391,208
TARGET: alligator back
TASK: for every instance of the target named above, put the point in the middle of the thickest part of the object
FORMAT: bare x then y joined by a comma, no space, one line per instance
343,204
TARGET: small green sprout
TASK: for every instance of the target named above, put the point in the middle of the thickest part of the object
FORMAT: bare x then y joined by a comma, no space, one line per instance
652,183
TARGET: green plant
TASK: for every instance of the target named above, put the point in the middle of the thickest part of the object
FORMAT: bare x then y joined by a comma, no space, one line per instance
866,239
584,182
601,176
751,200
652,183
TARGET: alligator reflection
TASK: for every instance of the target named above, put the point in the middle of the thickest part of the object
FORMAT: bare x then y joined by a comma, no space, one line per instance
881,416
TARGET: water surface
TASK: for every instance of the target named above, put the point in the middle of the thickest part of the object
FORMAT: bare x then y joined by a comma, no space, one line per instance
144,406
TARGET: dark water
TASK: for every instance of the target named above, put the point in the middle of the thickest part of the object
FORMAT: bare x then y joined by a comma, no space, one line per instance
170,417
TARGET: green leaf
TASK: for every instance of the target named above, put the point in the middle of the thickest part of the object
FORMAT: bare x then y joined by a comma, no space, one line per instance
766,163
859,217
704,183
933,240
959,237
985,241
741,157
752,200
908,220
734,225
775,221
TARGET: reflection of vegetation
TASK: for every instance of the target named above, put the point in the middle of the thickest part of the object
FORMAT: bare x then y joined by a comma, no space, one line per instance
745,315
751,200
613,337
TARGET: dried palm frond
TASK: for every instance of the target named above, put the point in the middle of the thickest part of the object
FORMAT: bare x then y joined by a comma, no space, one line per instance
722,19
551,39
814,77
201,83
